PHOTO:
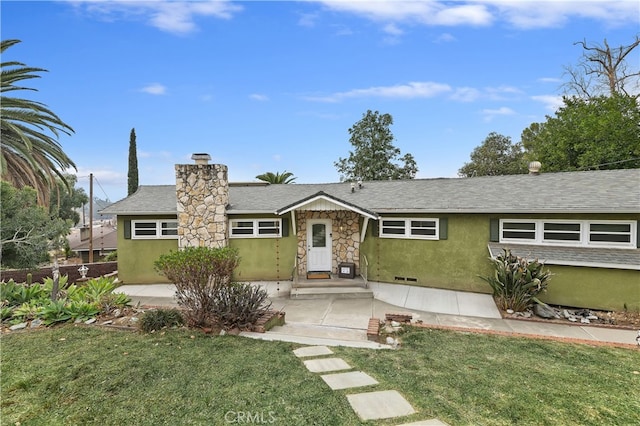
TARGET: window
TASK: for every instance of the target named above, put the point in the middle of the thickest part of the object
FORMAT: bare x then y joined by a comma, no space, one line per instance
418,228
154,229
256,228
569,232
611,233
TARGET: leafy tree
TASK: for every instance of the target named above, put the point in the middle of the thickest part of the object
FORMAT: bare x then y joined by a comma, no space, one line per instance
65,202
31,154
28,232
374,156
596,133
495,156
132,176
603,70
277,178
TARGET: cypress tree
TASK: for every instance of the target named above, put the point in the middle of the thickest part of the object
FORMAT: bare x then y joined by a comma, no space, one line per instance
133,164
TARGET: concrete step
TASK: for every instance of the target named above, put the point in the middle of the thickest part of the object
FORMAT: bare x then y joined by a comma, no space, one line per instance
331,292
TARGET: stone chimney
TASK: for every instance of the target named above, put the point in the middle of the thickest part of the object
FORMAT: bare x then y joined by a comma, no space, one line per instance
202,191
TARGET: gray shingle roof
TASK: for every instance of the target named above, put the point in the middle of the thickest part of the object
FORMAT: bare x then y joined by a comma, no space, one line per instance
573,256
606,191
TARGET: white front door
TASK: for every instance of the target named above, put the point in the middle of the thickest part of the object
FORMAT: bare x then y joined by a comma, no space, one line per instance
319,245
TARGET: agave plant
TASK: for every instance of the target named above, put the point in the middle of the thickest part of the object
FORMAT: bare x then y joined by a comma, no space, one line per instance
516,282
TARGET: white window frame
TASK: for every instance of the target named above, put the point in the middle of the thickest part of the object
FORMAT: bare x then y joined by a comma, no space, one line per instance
584,233
407,229
158,230
255,228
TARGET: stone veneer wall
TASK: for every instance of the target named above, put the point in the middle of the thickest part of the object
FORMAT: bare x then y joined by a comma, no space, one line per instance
345,243
202,191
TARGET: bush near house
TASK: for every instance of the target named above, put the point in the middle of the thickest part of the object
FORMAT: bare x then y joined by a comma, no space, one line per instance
516,281
202,276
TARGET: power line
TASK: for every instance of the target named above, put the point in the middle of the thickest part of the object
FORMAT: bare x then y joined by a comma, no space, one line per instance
103,191
608,164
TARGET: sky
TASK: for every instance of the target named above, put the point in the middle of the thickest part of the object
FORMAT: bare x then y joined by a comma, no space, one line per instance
265,86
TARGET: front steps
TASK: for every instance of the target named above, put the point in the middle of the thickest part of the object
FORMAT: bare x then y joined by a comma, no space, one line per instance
325,292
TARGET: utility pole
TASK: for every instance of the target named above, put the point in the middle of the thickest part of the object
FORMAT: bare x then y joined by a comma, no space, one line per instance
90,217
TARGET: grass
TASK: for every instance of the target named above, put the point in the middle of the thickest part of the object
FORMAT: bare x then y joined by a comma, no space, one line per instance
89,375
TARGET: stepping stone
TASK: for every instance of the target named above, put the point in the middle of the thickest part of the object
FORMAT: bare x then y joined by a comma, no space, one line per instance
312,351
352,379
323,365
430,422
380,405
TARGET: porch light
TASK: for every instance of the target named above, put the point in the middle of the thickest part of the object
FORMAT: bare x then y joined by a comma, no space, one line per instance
353,187
83,271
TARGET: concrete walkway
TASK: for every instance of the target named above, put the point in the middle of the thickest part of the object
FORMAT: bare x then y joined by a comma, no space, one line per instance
344,322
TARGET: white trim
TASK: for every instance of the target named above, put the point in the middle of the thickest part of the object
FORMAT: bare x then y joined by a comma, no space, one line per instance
294,225
407,228
255,228
343,206
584,233
158,229
363,231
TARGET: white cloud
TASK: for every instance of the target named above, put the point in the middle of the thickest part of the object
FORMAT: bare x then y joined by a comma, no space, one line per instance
489,114
393,29
445,38
258,97
104,176
550,80
466,94
403,91
308,19
172,16
551,102
154,89
521,14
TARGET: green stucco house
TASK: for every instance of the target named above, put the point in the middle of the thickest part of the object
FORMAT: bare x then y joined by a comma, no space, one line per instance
425,232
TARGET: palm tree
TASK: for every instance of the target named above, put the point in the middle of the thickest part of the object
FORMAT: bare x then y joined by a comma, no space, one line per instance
277,178
31,156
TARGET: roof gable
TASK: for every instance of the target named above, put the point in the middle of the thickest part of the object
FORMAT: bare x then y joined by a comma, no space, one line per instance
333,203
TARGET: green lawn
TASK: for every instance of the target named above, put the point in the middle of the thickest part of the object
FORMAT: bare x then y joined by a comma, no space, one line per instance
88,375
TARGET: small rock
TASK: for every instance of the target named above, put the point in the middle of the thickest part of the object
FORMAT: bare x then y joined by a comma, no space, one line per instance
223,332
573,319
388,329
77,321
107,322
566,314
134,319
36,323
117,313
395,324
90,321
234,331
585,321
18,326
527,314
510,311
392,342
592,317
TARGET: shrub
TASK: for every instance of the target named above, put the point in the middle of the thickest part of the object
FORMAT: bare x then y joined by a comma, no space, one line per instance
240,305
81,310
13,294
111,257
158,319
198,272
55,311
516,282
